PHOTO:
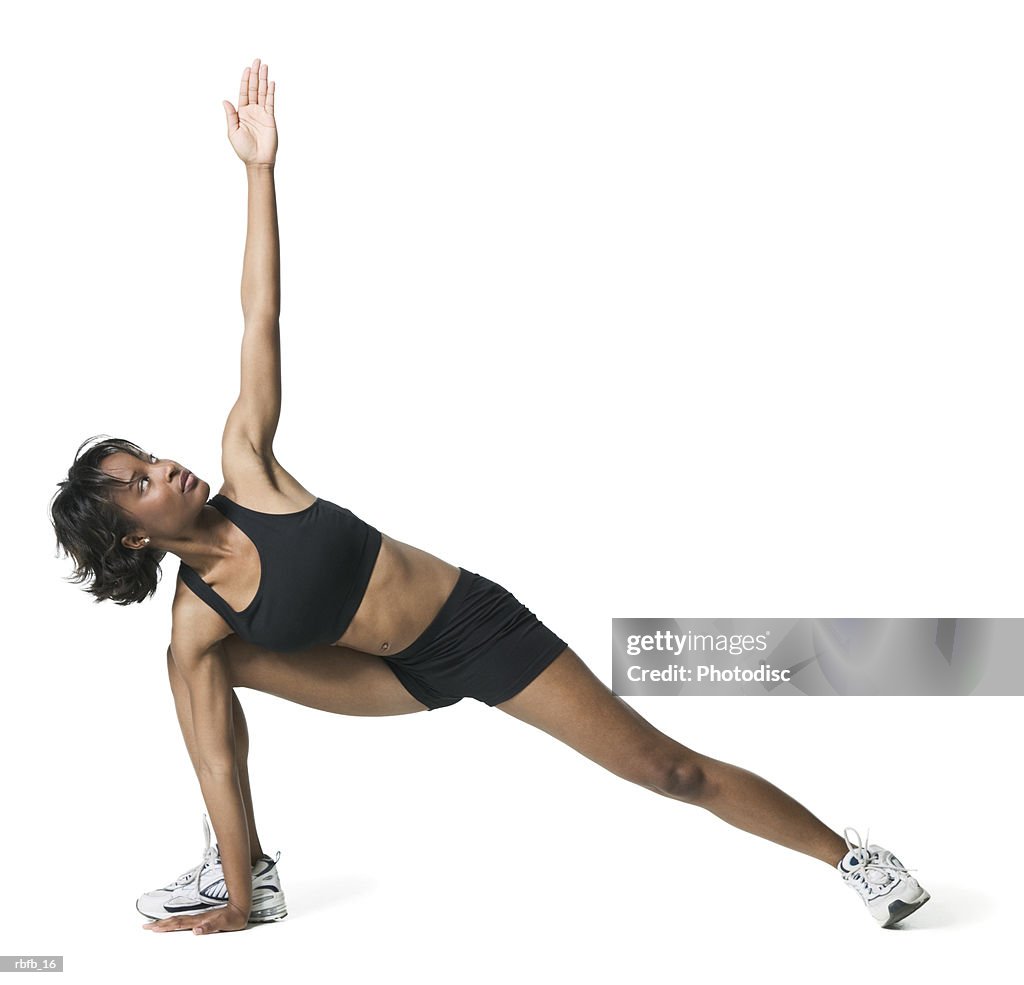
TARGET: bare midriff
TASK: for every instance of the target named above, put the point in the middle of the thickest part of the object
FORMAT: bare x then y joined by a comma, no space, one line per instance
406,591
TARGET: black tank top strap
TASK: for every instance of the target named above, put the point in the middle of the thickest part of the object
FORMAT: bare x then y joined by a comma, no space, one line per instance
246,520
191,578
241,518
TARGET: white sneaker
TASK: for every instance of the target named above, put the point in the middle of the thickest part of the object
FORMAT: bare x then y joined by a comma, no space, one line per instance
203,888
887,888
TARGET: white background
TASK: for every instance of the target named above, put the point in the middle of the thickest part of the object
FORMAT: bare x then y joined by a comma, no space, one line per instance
639,309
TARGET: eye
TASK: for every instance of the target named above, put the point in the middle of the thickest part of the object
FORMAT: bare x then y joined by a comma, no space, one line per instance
145,478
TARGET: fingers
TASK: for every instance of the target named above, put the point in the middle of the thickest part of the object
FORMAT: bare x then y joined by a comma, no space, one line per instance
262,89
232,116
196,925
243,89
255,88
214,921
168,923
254,82
175,923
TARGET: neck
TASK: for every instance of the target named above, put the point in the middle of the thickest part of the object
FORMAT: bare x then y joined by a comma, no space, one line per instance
210,540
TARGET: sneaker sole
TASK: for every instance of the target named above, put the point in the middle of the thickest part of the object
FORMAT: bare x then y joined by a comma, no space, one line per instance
269,913
266,905
898,910
264,914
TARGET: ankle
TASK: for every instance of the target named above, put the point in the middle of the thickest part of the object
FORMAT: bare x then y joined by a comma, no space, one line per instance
834,853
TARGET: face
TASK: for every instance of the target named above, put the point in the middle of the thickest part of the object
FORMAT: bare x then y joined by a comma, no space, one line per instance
155,500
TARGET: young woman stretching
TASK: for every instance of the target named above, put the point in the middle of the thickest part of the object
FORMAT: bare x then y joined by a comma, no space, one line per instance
288,593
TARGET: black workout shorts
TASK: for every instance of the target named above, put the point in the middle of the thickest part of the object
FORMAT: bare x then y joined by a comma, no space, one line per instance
483,643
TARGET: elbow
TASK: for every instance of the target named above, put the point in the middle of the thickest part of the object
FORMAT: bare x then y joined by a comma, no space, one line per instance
261,307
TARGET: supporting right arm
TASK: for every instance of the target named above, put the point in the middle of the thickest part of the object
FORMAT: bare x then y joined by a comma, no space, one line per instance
204,670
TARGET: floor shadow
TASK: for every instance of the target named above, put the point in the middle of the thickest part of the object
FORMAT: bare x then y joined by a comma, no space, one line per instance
311,895
950,906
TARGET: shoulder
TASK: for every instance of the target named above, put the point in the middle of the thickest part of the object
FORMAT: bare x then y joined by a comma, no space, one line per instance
256,479
195,627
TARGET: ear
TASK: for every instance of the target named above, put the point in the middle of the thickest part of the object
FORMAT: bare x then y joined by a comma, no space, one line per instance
135,542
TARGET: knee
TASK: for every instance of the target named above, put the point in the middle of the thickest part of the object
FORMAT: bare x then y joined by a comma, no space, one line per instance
684,779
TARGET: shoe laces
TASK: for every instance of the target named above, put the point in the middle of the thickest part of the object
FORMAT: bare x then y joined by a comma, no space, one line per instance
209,857
875,871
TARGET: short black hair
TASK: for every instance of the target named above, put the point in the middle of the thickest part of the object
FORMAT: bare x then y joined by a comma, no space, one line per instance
89,526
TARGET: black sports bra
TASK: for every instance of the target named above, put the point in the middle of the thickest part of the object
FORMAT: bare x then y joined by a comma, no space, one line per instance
314,569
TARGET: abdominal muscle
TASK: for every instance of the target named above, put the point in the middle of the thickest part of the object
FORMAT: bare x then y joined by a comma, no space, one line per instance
406,590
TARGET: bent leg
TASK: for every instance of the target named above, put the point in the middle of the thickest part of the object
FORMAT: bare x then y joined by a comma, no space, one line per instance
329,678
569,702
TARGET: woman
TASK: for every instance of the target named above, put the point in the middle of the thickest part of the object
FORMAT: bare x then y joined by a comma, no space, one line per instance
290,594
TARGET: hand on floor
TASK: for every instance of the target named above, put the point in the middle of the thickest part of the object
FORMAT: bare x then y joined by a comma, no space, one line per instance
222,919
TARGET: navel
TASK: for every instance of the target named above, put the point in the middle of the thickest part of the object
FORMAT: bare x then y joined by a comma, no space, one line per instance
385,646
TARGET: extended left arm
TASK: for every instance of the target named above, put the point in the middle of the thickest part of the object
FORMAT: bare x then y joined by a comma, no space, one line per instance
256,413
253,133
261,267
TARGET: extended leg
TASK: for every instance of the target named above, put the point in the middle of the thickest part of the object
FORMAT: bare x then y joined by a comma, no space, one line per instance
183,707
569,702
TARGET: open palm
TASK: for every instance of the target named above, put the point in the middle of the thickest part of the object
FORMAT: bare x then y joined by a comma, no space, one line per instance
251,128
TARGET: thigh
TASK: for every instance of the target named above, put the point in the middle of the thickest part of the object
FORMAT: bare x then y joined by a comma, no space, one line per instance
329,678
568,701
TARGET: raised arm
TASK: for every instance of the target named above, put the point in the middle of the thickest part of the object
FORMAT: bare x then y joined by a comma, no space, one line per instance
253,134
